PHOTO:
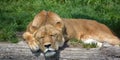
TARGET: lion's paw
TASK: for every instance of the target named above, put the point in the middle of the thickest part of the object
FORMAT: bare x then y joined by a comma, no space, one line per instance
34,46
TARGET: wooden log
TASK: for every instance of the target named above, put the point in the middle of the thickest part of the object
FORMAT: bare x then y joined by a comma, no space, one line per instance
21,51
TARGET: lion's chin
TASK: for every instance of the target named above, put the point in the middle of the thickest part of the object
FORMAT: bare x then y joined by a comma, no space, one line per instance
49,52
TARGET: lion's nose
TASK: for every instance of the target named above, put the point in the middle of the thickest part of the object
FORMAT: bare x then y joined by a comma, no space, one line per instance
47,45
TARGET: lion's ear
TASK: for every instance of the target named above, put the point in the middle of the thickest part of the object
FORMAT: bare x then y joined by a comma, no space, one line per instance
39,19
59,25
55,20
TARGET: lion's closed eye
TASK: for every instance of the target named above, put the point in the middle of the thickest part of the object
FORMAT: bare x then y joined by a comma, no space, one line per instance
40,38
53,35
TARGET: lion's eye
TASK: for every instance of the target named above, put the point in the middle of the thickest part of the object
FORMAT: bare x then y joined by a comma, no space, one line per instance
39,38
53,35
42,37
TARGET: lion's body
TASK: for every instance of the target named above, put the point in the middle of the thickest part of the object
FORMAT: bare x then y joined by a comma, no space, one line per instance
84,29
48,32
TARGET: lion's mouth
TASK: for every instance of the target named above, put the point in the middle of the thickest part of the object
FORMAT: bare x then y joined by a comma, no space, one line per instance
49,52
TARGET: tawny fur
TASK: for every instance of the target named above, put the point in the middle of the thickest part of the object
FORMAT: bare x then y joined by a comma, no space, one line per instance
84,29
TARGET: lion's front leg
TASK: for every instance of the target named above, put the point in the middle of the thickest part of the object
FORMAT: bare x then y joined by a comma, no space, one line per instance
32,43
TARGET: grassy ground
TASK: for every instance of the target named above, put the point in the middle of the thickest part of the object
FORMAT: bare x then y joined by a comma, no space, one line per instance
15,14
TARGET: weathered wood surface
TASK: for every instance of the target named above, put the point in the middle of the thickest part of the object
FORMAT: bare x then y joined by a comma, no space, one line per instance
21,51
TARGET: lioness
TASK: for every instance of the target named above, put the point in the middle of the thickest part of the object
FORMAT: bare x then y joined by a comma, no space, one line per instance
48,32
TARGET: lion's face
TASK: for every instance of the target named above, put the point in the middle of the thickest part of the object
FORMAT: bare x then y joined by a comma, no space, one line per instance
45,33
50,39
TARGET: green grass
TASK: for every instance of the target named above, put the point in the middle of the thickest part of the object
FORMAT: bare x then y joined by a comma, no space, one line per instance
16,14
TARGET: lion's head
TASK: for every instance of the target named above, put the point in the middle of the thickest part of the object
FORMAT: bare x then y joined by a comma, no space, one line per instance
49,33
49,38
